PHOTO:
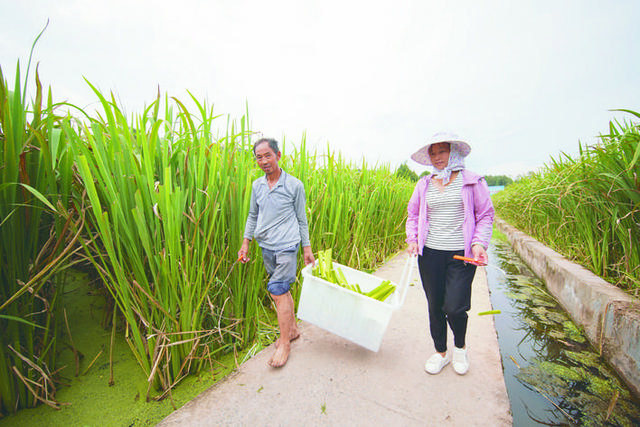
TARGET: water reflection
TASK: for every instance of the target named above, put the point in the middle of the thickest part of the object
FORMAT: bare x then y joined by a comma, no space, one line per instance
553,375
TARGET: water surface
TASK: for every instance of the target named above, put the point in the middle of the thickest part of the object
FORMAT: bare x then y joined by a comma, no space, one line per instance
552,373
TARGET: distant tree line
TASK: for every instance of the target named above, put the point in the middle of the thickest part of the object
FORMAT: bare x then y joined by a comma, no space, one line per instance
498,180
405,172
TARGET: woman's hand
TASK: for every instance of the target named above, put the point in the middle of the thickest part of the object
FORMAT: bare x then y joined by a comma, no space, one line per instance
412,249
479,254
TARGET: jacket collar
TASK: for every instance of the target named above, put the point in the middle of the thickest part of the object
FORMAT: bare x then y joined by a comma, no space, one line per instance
468,177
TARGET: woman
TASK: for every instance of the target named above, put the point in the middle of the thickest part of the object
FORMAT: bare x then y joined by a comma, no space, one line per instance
450,213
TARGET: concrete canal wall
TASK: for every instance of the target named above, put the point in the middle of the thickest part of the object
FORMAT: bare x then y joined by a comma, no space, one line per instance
609,316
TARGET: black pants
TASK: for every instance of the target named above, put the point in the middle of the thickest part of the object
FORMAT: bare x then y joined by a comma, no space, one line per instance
447,284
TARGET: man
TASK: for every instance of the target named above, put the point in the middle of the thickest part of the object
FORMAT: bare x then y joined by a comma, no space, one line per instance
278,221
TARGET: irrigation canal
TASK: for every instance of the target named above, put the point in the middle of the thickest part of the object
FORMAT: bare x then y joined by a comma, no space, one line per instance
552,373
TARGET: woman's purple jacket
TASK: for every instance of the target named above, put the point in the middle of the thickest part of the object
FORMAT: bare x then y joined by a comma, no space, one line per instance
478,212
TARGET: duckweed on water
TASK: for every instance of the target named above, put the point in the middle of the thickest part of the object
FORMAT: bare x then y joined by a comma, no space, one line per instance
580,393
516,296
87,398
572,331
552,316
566,373
605,386
556,362
584,358
542,378
557,335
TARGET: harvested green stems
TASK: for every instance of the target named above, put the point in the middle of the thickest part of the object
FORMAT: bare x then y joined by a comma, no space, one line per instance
324,269
484,313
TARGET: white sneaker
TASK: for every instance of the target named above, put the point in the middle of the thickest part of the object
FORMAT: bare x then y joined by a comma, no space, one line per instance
436,362
460,360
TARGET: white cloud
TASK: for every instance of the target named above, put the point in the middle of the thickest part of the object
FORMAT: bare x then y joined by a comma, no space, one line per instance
522,80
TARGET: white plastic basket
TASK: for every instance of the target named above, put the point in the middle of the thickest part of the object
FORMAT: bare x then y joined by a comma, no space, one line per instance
355,317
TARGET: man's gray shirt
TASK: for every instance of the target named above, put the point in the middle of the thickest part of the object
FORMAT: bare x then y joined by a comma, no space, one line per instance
277,217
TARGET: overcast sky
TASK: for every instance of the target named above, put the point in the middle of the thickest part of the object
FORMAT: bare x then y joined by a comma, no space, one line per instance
521,80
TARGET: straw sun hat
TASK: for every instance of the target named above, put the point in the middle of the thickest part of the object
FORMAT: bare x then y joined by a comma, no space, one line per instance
422,155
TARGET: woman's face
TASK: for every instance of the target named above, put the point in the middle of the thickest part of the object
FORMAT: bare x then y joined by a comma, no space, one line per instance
439,155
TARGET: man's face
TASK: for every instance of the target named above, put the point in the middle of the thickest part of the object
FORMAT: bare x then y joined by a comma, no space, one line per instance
266,158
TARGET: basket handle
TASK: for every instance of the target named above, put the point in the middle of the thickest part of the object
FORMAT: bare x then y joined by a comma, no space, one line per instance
404,281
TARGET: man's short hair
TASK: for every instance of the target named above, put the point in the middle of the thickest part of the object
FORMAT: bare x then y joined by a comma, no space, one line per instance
272,143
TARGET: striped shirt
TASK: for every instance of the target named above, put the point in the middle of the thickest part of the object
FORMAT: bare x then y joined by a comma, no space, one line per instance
445,216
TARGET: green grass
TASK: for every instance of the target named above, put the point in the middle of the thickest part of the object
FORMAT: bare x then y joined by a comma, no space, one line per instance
586,208
88,399
156,204
499,235
40,225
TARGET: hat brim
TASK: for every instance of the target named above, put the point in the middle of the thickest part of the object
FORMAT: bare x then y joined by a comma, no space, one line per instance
422,155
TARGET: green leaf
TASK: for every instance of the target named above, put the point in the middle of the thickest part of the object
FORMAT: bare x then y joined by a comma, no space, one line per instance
21,320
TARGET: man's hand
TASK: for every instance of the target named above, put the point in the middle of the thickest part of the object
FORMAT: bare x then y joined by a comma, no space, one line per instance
308,256
243,253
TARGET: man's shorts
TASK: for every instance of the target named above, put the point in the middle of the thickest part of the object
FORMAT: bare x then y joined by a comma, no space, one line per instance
281,266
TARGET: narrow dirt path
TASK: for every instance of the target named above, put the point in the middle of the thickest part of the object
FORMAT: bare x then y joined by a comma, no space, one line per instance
331,381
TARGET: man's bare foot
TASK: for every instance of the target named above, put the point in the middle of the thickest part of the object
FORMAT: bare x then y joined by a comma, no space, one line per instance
280,356
295,334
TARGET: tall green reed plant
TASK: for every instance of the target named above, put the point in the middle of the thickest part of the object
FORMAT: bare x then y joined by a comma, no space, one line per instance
357,210
40,221
169,199
168,202
587,208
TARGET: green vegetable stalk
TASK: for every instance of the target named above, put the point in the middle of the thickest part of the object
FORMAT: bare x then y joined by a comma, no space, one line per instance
324,269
